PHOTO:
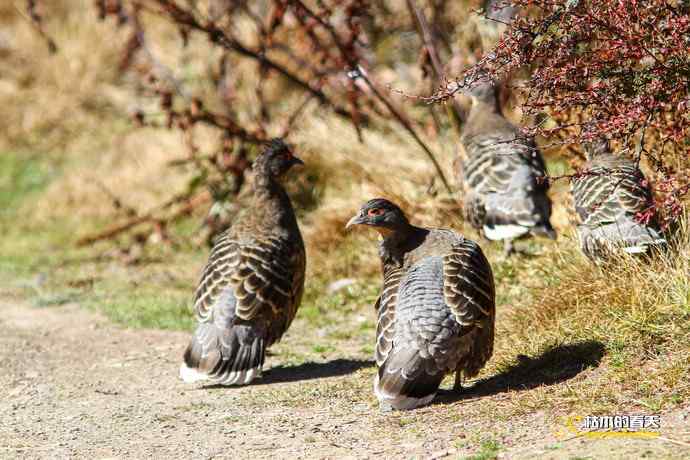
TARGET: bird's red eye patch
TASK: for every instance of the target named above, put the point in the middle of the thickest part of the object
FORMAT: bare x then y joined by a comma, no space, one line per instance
375,212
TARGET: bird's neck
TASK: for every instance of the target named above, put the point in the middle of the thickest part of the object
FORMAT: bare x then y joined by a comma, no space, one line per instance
272,202
484,106
398,242
265,184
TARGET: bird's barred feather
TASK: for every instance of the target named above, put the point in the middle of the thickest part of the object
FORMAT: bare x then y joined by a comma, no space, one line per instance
264,274
434,316
502,175
609,195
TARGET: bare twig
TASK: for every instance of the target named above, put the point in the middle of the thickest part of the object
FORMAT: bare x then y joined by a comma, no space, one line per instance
402,119
36,21
358,72
295,115
455,112
189,204
217,35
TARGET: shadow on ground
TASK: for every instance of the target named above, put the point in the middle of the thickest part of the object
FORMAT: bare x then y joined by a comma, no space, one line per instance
555,365
306,371
312,370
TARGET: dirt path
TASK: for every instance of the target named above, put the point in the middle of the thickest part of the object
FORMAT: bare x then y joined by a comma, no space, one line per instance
75,385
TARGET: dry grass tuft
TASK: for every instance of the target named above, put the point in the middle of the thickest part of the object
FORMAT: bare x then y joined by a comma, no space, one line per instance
637,309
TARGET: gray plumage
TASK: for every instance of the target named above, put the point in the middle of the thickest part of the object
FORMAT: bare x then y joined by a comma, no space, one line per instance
436,309
252,285
610,194
502,173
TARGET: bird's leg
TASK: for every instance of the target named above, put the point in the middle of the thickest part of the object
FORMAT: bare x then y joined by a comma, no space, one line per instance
457,386
508,248
385,407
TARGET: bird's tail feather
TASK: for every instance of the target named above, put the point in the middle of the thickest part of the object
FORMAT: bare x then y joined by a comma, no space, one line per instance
223,357
512,215
404,381
633,237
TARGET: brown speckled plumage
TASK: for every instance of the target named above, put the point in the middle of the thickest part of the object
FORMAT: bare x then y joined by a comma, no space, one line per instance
501,173
610,194
252,285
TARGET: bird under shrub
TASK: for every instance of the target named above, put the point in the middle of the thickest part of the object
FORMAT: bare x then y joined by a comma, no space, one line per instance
501,173
611,198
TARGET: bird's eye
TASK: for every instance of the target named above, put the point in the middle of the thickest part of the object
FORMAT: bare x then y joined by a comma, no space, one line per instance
375,212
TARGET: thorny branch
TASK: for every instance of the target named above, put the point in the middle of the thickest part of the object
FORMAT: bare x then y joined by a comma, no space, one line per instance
456,114
360,73
615,69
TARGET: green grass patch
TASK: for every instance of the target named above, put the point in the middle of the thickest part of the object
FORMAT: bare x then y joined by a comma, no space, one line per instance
488,450
41,263
142,306
21,175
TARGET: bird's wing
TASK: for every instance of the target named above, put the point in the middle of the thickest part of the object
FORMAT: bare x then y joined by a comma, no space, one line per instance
266,273
602,195
385,306
504,178
493,158
441,299
468,287
632,192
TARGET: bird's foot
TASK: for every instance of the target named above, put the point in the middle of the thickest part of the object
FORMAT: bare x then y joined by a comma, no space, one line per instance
508,248
457,386
385,407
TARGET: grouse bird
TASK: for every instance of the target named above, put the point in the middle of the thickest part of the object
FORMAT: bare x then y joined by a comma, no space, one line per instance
252,285
501,173
436,309
610,195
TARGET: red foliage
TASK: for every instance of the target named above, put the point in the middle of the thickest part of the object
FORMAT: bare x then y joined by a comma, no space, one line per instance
613,68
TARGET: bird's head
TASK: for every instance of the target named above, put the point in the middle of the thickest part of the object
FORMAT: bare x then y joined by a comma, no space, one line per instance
276,159
384,216
597,147
481,87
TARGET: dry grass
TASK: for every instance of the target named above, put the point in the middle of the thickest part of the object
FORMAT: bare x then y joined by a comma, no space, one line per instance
638,309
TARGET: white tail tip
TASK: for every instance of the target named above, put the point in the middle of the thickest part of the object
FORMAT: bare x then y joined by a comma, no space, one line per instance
399,402
190,375
504,232
642,248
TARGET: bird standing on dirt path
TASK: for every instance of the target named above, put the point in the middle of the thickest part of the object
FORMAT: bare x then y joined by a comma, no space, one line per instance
501,173
252,285
436,309
611,197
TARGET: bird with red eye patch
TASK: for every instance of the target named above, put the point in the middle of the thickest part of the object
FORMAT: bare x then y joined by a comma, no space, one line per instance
436,309
382,215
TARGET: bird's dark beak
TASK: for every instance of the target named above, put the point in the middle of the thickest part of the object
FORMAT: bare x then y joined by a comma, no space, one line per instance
294,161
358,219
